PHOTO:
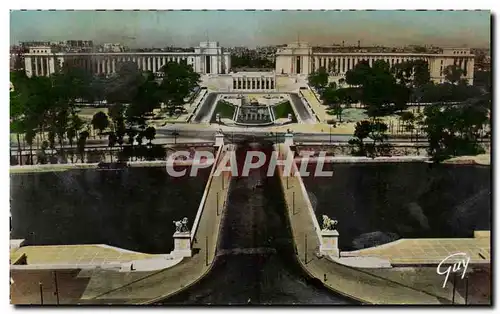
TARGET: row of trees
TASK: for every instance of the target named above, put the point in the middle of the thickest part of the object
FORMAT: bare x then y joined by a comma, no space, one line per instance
45,108
452,124
251,61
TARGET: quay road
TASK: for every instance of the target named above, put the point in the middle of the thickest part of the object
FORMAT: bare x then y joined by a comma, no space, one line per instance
237,134
164,136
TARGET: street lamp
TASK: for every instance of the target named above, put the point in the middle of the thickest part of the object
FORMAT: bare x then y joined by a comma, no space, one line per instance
56,286
41,292
206,250
217,203
175,134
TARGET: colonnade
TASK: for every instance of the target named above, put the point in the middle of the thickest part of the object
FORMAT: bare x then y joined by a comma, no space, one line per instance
253,83
46,65
342,64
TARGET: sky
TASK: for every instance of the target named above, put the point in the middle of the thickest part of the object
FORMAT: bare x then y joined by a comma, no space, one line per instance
255,28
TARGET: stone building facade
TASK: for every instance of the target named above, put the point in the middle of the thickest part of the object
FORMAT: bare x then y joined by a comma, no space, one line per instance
207,58
300,58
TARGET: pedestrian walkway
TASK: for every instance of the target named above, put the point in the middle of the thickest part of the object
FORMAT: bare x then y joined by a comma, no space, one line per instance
319,109
375,286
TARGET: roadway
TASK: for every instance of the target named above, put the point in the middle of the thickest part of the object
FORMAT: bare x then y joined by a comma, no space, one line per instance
192,136
256,263
301,110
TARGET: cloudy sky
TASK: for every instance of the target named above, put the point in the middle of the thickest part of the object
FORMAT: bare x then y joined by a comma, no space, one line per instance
254,28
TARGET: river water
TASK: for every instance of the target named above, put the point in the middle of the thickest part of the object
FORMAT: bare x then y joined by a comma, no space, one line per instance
378,203
132,208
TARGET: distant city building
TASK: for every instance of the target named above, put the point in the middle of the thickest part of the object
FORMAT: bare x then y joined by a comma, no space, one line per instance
300,58
27,44
210,58
207,58
80,43
109,47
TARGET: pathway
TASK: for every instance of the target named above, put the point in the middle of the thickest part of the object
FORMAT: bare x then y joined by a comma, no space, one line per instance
318,108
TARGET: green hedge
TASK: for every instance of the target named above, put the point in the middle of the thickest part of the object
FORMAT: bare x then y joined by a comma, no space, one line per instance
225,109
282,110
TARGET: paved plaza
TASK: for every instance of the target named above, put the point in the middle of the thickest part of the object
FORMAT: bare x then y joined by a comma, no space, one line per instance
431,251
76,254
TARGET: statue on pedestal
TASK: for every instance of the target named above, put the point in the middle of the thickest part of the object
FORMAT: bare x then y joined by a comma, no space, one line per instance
181,225
328,223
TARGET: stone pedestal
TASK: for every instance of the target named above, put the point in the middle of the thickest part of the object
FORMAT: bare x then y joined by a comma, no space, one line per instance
289,139
219,140
182,244
329,243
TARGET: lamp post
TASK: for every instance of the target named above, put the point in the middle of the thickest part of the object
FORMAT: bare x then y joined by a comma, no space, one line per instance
454,282
41,292
206,250
217,203
56,286
305,252
330,128
222,176
466,288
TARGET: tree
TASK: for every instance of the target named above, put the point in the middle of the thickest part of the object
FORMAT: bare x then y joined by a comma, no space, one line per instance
400,96
337,110
123,86
29,136
335,98
454,130
179,80
97,89
378,87
82,142
150,134
453,73
75,125
376,131
111,143
408,120
361,132
19,104
359,74
421,73
100,121
318,79
411,73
